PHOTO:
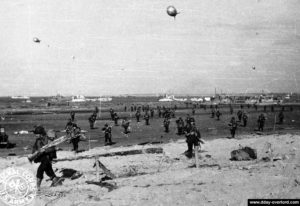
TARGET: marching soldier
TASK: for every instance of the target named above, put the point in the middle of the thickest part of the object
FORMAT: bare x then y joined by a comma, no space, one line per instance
72,114
159,112
111,111
125,125
233,126
261,122
152,112
74,132
218,114
138,115
46,157
231,109
280,117
180,126
245,119
107,134
116,118
212,113
193,138
146,118
166,124
239,115
92,120
193,111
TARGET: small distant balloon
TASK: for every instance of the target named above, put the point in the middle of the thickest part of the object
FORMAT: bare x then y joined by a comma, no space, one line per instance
171,11
36,40
73,57
253,68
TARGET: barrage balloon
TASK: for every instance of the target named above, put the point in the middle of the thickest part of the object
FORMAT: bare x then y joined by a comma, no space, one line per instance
172,11
36,40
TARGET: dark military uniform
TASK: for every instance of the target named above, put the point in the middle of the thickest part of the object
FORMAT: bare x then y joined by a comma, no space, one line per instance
92,120
116,118
192,139
166,124
245,119
146,118
72,114
218,114
180,126
111,111
239,115
125,125
233,126
261,122
152,112
107,133
281,117
45,158
213,113
138,115
74,132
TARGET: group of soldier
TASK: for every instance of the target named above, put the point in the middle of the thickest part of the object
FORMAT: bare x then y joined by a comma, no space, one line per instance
185,127
243,117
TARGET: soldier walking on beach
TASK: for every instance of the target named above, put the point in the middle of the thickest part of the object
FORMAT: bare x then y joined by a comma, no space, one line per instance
92,120
218,114
152,112
239,115
107,134
125,125
146,118
261,122
73,131
245,119
233,126
116,118
138,115
231,109
193,139
280,117
212,113
166,124
46,157
180,126
72,114
111,111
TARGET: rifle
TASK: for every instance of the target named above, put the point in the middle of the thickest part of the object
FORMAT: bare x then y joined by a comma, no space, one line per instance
53,143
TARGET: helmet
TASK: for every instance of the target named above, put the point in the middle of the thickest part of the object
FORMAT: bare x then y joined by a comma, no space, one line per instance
39,130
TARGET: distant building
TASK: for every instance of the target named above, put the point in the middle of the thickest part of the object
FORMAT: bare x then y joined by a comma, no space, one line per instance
20,97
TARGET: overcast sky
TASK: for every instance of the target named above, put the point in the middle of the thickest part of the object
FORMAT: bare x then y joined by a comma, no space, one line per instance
96,47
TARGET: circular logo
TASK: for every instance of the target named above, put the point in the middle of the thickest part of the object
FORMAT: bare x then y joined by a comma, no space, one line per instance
17,186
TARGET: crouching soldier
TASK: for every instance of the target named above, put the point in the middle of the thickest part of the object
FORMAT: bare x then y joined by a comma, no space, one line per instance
45,158
233,126
107,134
193,139
166,124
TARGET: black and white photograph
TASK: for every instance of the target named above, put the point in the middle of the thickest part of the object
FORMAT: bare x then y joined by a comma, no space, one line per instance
149,102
